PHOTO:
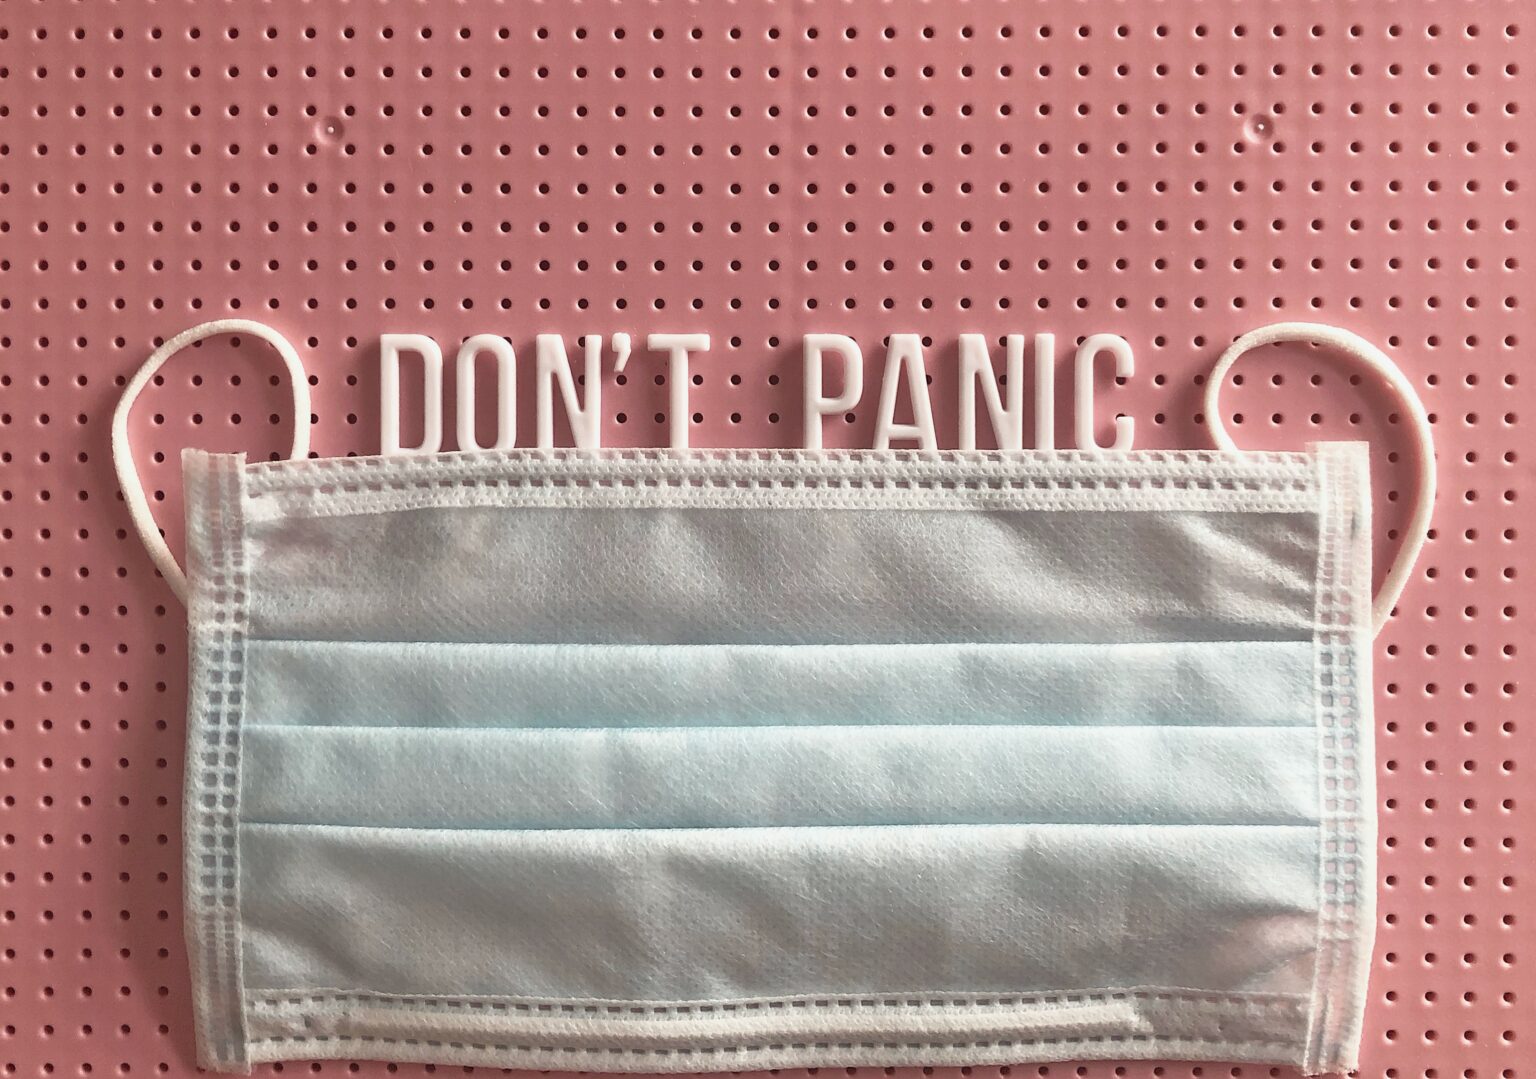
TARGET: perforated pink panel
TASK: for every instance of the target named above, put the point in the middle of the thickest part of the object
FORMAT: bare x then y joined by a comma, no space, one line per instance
1175,172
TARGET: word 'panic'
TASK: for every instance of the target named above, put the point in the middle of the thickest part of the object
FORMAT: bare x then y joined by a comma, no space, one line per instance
905,365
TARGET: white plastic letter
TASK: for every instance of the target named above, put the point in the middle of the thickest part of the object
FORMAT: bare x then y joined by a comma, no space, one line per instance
1045,391
1125,367
506,391
677,346
817,404
391,345
905,356
976,370
555,366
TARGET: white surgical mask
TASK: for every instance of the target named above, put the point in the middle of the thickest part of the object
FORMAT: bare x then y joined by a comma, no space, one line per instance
647,760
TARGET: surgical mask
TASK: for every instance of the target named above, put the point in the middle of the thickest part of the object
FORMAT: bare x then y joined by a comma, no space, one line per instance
663,761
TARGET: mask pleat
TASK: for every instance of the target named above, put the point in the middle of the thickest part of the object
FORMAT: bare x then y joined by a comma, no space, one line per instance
437,684
756,576
669,915
733,777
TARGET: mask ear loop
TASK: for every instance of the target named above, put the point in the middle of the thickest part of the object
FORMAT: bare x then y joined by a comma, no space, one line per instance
122,453
1358,348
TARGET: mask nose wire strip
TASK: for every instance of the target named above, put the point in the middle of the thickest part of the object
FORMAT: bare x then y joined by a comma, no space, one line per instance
1356,347
122,453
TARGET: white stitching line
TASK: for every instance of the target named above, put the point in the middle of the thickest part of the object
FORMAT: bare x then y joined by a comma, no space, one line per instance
807,483
431,1008
782,469
291,998
1237,460
338,506
861,480
767,1047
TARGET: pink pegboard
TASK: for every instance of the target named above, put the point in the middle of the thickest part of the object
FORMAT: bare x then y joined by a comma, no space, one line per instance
1176,172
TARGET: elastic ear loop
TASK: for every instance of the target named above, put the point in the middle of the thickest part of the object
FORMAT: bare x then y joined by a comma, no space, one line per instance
122,454
1359,348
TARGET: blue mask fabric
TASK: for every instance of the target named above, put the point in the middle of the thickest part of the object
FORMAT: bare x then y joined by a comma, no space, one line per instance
651,761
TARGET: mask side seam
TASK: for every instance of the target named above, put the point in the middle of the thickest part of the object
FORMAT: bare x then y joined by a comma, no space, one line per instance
1338,990
217,618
